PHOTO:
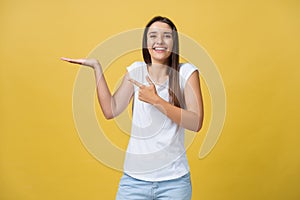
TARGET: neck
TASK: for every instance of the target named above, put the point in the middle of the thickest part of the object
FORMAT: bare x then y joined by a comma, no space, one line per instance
158,72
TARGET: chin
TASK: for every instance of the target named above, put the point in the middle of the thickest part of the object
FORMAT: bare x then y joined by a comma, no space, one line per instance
160,58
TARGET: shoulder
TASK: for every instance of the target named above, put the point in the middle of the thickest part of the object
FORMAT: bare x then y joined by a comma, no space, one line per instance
137,70
187,67
185,71
135,65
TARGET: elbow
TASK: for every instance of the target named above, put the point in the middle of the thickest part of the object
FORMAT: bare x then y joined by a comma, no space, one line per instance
195,127
109,112
200,122
194,124
199,125
108,115
198,128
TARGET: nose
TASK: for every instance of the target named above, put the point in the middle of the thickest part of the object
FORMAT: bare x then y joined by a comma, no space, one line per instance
160,39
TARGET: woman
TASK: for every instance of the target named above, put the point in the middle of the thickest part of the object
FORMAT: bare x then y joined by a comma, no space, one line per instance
166,100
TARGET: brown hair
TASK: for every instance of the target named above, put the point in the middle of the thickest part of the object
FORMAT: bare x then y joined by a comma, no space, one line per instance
174,88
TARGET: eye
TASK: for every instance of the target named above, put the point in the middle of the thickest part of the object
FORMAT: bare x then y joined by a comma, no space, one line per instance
152,36
168,36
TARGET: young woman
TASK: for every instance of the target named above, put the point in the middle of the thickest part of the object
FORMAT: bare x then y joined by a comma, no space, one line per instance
166,100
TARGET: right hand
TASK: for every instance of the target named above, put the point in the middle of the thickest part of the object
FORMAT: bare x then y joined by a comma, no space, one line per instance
90,62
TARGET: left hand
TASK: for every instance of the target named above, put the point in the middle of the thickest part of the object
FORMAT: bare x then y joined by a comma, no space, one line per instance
147,94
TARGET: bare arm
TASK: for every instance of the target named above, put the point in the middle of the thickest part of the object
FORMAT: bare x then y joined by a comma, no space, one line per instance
190,118
111,105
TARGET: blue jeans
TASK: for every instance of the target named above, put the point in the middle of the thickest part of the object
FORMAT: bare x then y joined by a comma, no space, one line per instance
134,189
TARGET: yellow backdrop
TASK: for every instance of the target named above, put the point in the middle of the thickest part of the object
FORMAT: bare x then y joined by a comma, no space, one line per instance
255,45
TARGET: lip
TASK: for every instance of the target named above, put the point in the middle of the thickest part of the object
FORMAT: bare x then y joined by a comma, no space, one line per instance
160,49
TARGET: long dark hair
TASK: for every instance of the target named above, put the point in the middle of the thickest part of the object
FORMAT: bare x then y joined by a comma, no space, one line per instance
176,98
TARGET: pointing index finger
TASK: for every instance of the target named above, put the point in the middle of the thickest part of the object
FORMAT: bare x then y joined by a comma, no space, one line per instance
138,84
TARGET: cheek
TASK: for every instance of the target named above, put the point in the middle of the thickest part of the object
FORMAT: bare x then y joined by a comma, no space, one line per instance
170,45
149,43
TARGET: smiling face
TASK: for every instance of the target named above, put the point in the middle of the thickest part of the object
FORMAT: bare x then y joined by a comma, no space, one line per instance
160,42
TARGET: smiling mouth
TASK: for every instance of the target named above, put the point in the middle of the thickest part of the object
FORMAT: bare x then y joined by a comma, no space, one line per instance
160,48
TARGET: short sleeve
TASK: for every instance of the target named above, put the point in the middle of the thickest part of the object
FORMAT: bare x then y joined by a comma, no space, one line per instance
134,68
185,72
137,71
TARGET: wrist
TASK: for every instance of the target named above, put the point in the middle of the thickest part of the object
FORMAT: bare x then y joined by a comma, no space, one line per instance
156,100
159,104
97,68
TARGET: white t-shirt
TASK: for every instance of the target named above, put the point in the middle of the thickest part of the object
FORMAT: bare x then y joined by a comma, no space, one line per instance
155,150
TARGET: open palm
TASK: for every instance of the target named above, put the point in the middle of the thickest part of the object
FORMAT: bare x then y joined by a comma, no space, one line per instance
90,62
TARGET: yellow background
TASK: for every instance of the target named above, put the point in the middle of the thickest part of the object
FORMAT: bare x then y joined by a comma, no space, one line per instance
255,45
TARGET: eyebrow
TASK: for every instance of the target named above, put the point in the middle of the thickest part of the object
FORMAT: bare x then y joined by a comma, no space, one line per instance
156,32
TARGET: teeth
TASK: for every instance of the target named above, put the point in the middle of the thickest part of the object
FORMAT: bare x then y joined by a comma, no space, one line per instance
159,48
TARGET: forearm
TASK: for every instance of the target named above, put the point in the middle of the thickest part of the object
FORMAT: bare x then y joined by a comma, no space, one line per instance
185,118
111,106
105,98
